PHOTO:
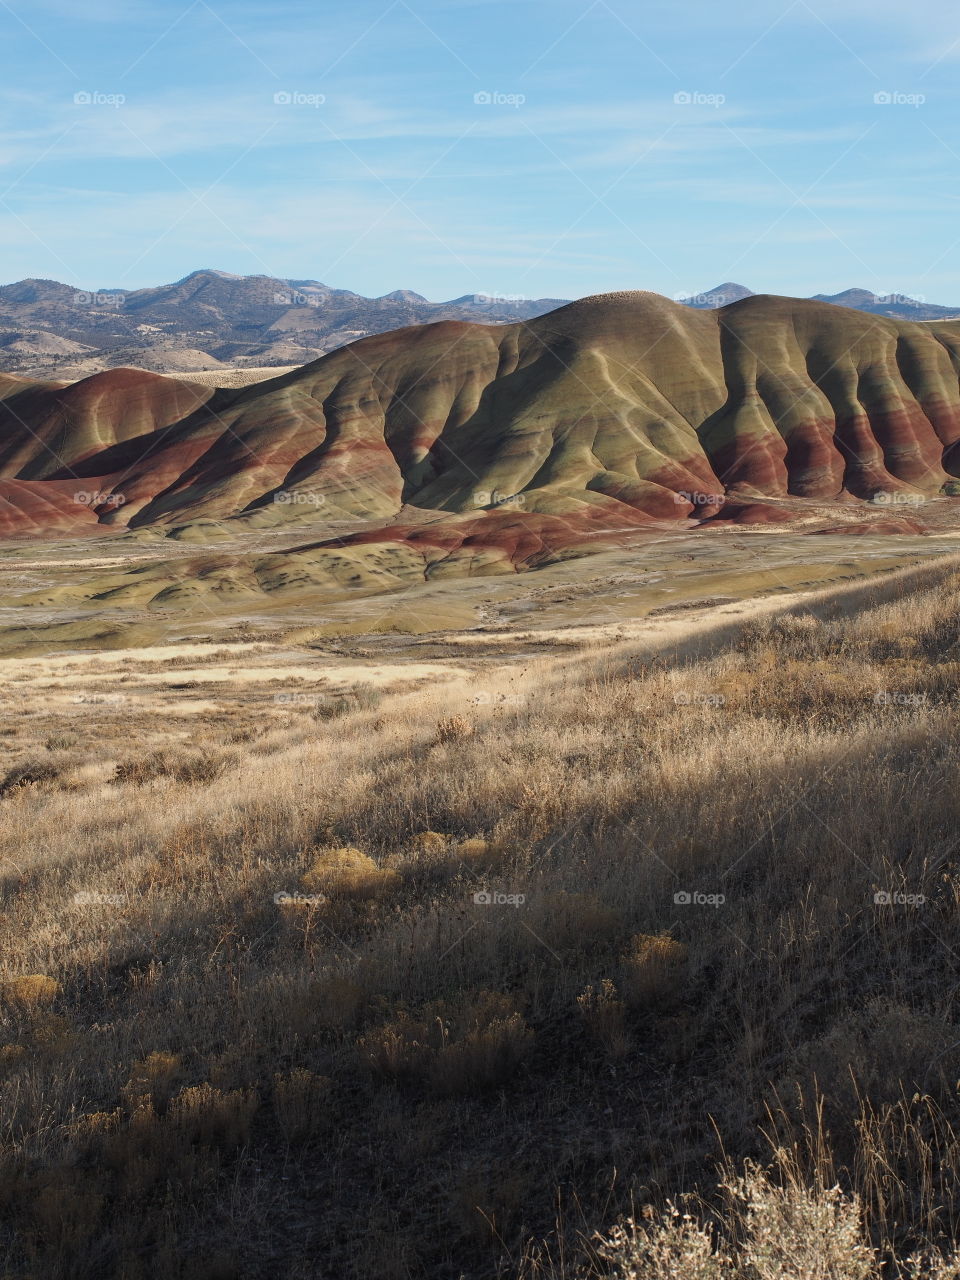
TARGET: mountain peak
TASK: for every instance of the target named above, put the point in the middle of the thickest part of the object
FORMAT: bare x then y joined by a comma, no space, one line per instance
721,295
403,295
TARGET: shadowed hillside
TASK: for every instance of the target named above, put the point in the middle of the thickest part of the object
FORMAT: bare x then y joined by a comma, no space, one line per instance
390,973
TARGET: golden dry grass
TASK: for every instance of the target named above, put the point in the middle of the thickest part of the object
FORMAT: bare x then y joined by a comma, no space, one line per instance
443,987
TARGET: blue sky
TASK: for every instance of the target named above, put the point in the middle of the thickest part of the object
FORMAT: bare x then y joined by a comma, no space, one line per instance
538,148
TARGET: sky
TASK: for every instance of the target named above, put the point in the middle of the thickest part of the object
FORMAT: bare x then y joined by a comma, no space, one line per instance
522,148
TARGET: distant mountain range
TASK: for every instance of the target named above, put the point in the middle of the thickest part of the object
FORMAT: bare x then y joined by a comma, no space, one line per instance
898,306
212,319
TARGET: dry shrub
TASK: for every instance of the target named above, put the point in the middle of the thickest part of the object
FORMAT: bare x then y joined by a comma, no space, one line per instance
576,922
65,1214
143,769
197,766
212,1118
350,874
484,1059
479,854
429,842
769,1232
674,1248
401,1049
299,1100
653,971
87,1132
51,1035
154,1080
12,1056
452,729
30,992
465,1047
338,1002
30,773
604,1015
359,698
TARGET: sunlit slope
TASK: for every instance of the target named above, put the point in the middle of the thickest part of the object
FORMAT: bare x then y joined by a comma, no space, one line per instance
616,410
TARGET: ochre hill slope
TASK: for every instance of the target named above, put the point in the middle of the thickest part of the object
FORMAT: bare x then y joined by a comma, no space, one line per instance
611,413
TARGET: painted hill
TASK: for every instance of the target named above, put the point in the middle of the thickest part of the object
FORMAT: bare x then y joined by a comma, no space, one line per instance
458,448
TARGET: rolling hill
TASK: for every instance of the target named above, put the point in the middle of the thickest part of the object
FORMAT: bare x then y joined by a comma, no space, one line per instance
457,448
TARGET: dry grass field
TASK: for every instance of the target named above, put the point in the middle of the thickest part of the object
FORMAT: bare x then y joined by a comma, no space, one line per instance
548,961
